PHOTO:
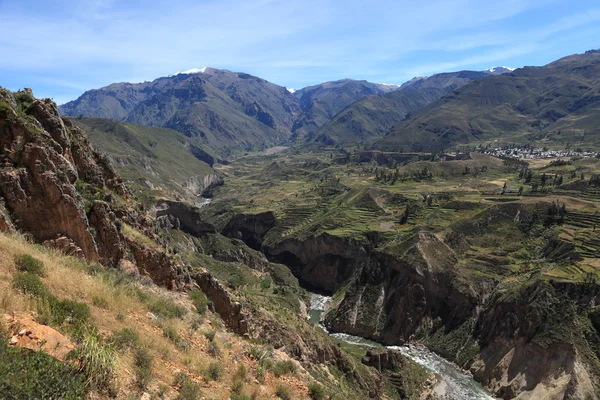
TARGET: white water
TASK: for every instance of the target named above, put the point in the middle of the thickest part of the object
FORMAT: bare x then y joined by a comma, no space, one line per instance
203,203
455,383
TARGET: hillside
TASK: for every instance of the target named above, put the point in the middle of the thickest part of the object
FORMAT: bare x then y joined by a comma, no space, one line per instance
322,102
555,105
156,161
374,116
222,110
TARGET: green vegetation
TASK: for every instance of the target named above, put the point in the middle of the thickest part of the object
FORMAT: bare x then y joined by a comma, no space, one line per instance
166,308
27,263
188,390
153,155
27,374
214,371
283,392
97,362
286,367
143,367
30,284
124,339
316,391
200,301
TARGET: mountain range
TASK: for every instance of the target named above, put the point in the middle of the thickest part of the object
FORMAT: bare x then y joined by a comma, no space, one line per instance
227,112
558,103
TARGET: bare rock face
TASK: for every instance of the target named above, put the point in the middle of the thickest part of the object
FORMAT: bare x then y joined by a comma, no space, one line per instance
400,289
110,241
230,310
184,217
43,157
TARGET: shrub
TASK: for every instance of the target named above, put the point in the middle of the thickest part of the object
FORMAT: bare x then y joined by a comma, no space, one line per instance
316,391
100,302
124,339
28,263
199,300
210,335
214,371
283,392
213,349
284,368
237,386
166,308
27,374
259,374
260,352
189,391
170,333
97,362
62,310
265,284
241,373
30,284
143,368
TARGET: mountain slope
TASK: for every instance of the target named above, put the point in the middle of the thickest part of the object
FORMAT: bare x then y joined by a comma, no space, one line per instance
226,111
556,104
322,102
162,160
375,115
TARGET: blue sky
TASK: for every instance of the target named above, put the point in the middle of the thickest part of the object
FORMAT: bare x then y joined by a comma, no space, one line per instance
61,48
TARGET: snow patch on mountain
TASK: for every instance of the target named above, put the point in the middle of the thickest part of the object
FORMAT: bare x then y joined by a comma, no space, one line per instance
502,69
190,71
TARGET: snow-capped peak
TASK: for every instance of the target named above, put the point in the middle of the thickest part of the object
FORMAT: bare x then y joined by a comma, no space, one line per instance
499,70
190,71
291,90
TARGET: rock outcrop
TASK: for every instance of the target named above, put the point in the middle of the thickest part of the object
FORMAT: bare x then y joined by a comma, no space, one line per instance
251,228
51,183
184,216
323,262
401,288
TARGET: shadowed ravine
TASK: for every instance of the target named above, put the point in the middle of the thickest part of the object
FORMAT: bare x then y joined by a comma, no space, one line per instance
455,384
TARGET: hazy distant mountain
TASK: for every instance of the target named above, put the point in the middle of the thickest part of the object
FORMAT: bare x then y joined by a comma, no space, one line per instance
375,115
227,110
559,102
322,102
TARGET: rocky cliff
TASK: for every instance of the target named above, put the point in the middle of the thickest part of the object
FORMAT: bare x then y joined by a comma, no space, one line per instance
63,193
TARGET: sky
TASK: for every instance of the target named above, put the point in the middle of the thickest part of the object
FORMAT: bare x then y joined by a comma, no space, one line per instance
61,48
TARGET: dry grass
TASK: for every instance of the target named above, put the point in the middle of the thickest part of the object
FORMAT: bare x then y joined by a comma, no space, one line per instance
69,278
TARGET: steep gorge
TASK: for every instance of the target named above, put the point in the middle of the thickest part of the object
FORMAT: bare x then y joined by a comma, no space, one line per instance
414,290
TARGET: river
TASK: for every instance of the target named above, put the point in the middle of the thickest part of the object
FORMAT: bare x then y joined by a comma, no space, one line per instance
454,384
